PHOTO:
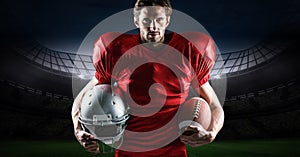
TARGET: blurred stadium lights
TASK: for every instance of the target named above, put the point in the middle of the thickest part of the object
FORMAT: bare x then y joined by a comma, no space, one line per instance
84,77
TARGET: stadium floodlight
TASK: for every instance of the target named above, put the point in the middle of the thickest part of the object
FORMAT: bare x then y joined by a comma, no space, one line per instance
84,77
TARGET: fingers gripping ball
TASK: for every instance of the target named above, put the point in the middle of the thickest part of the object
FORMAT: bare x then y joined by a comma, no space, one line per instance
191,111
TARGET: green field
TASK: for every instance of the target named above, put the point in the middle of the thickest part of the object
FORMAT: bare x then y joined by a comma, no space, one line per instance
247,148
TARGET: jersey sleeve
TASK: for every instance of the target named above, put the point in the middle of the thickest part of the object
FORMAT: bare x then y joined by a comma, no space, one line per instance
204,60
102,58
100,62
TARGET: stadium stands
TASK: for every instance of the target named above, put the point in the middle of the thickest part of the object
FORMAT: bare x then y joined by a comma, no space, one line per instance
37,85
81,64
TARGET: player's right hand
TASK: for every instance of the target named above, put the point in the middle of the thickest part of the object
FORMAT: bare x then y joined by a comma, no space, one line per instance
88,141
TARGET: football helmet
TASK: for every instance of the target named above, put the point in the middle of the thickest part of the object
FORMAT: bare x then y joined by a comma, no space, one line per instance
104,114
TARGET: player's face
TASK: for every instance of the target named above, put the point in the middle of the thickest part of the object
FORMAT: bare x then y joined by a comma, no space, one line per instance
152,23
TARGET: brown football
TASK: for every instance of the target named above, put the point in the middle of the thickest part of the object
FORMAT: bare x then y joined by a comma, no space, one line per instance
196,109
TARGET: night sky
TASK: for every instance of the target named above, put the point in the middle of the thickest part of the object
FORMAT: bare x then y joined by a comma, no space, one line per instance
62,25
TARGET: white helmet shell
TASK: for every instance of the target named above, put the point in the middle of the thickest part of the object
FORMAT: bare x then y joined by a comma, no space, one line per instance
103,114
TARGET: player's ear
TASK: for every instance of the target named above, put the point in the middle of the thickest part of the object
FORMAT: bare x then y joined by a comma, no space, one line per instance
136,22
168,21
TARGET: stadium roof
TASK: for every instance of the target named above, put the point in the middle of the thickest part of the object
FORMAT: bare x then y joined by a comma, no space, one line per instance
229,63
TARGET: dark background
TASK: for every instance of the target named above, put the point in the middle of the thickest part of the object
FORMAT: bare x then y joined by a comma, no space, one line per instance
62,25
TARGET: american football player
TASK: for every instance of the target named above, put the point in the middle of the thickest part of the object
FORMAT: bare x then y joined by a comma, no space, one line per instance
154,78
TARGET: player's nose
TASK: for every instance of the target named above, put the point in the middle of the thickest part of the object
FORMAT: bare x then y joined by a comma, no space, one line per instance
153,26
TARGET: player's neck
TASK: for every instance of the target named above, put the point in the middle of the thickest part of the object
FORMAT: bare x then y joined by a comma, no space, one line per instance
154,45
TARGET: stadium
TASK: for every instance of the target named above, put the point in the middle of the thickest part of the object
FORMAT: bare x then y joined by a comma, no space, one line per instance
261,104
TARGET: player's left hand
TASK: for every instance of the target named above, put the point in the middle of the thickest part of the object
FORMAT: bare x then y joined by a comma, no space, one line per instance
196,135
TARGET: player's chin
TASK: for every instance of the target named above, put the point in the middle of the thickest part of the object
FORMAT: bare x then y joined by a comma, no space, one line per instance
154,39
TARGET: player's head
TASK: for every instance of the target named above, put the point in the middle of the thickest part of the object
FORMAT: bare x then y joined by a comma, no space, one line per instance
152,18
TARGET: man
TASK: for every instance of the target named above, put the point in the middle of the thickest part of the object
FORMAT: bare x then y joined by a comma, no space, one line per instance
167,83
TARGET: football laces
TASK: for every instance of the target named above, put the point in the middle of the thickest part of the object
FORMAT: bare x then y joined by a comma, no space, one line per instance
196,109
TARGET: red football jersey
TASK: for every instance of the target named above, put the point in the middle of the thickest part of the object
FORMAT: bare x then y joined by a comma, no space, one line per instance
153,82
